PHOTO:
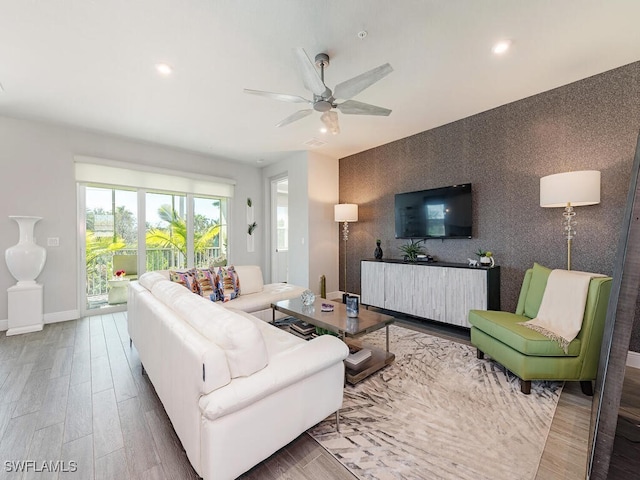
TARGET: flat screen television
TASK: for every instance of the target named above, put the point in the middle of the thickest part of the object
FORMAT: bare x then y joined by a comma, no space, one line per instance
435,213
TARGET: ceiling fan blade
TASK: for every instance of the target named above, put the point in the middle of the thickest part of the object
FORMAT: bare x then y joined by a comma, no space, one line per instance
330,119
283,97
353,107
350,88
310,76
296,116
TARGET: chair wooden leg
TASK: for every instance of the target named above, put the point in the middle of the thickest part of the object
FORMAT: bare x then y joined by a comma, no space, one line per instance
587,387
479,354
525,386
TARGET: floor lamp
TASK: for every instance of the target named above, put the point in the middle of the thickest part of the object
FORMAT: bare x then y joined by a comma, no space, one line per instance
345,213
568,190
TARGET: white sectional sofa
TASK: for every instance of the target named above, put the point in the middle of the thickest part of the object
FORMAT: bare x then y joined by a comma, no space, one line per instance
236,388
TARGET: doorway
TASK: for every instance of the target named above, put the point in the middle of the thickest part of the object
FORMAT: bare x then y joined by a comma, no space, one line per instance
280,230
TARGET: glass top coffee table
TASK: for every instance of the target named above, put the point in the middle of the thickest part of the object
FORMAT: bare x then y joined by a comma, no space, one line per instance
347,328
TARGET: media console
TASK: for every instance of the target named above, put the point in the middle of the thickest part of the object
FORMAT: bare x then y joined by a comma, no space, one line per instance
444,292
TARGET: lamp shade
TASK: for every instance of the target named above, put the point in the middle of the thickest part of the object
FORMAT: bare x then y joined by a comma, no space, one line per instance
575,188
345,212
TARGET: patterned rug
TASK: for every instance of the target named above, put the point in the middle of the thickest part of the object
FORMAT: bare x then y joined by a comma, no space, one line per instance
439,413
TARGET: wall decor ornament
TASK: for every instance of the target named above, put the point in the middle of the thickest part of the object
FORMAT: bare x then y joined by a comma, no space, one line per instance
251,226
25,259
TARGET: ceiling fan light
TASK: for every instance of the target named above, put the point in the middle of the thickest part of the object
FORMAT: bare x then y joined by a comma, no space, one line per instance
501,47
164,69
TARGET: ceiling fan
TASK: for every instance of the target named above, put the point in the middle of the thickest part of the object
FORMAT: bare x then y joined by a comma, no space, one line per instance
324,100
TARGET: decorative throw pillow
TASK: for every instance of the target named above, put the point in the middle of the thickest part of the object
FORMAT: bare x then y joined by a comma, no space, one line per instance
230,283
536,290
209,282
207,285
187,279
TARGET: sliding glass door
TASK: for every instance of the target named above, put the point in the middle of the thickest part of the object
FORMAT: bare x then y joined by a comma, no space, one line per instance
111,229
179,231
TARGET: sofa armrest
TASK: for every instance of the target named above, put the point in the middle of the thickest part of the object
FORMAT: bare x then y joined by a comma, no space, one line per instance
284,369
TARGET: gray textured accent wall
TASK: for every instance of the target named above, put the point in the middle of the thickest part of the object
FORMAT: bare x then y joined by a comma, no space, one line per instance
591,124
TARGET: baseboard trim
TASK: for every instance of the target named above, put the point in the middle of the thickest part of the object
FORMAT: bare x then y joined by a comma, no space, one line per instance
28,329
633,359
54,317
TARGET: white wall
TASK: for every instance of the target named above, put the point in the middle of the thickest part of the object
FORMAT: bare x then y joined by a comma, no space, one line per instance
37,178
313,235
323,231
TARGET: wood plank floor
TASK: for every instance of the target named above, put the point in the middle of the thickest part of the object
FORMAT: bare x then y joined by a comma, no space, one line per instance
75,392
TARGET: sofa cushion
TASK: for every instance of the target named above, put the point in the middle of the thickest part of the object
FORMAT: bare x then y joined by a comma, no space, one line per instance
271,293
276,339
240,339
503,326
250,277
536,290
149,279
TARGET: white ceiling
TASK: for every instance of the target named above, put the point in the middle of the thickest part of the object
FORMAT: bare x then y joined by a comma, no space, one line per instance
90,63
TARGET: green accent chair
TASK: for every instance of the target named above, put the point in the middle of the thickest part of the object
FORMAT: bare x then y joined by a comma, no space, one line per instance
529,354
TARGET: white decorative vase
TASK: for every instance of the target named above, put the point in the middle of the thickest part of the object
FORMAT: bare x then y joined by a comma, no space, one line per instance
25,259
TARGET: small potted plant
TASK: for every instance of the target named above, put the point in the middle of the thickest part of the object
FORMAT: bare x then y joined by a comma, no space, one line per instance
412,250
120,274
486,258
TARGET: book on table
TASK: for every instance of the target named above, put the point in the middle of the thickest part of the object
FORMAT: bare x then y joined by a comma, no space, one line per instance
356,358
302,327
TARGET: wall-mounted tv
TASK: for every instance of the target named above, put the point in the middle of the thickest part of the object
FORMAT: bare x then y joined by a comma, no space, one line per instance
435,213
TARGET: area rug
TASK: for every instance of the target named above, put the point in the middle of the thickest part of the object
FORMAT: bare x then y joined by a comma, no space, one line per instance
438,412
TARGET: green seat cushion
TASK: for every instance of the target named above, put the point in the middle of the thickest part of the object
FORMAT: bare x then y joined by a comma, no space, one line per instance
503,326
536,289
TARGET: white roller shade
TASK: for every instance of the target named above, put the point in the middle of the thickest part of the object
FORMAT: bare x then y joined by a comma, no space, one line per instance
93,170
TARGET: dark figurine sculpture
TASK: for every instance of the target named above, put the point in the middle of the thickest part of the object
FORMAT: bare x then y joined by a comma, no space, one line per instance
378,251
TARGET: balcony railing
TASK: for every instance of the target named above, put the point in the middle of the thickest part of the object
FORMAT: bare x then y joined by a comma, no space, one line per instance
100,271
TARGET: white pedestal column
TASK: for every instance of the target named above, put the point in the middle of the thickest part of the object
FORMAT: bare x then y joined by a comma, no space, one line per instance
26,311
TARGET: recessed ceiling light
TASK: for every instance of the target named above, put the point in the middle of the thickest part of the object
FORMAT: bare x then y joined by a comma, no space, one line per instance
501,47
323,130
164,69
